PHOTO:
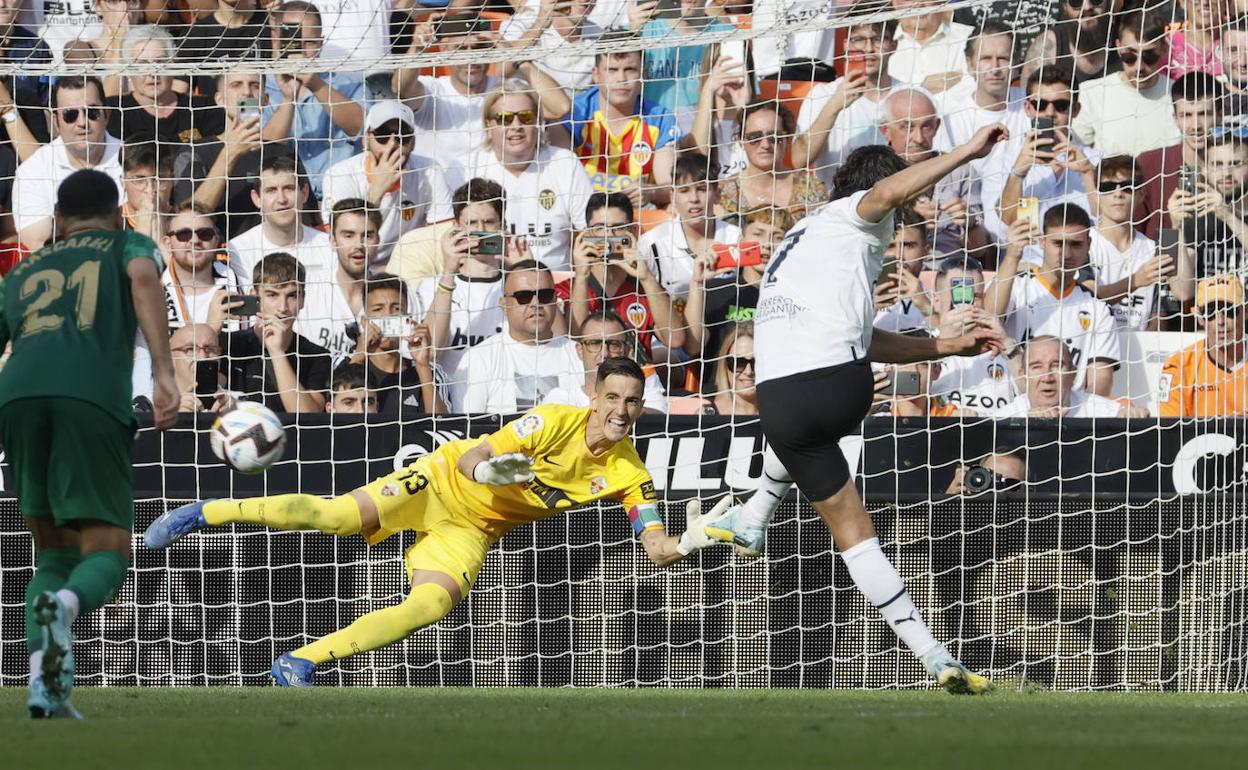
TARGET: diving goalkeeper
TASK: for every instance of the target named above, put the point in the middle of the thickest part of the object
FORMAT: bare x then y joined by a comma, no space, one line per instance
462,498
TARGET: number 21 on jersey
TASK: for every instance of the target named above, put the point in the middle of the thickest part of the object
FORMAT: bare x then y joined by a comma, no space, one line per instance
47,286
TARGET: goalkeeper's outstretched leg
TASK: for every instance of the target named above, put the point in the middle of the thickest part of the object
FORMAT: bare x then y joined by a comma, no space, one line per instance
334,516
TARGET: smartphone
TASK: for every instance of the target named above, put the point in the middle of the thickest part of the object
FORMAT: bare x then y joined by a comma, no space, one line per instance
903,384
291,35
962,291
1029,210
1044,126
250,306
729,256
732,49
490,244
248,109
393,325
460,27
668,9
612,246
1188,177
1168,243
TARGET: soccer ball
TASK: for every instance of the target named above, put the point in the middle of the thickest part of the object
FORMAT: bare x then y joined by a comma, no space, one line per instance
248,438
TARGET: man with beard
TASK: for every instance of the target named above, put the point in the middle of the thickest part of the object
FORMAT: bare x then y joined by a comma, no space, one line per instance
1212,231
1079,41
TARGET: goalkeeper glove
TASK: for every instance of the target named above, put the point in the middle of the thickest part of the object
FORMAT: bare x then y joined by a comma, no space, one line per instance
503,470
694,537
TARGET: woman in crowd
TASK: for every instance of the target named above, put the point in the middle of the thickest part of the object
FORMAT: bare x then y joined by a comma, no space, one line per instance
766,132
734,374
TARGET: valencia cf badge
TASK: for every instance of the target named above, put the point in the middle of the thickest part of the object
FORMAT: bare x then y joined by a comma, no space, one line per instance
546,199
637,315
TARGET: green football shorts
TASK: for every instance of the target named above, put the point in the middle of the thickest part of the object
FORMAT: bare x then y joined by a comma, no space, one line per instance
70,461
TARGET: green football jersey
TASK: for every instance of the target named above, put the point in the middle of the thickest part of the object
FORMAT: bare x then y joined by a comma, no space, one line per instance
70,315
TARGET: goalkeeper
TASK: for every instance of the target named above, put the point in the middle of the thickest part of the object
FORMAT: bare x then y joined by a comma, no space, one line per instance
461,499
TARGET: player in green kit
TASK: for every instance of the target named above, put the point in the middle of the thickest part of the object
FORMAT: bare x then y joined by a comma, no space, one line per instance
71,310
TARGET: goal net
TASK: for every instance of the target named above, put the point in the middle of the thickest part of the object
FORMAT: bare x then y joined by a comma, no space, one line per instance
1066,514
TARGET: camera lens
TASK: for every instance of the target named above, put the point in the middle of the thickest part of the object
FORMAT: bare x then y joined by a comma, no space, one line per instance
976,479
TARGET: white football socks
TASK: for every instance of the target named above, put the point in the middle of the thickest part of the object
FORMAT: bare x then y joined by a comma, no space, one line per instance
880,583
772,487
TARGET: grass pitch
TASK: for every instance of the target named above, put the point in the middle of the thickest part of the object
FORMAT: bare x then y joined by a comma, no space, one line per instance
357,729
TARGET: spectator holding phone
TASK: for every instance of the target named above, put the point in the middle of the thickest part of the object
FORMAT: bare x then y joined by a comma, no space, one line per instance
386,328
196,353
725,93
237,29
555,23
349,392
901,302
608,271
671,248
1209,216
909,391
1050,386
200,288
465,302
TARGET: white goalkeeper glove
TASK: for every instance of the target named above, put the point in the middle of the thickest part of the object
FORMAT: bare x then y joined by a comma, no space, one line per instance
503,470
694,537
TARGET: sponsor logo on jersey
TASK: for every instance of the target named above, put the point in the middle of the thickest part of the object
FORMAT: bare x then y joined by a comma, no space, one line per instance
641,153
597,485
612,182
546,199
527,425
390,490
637,315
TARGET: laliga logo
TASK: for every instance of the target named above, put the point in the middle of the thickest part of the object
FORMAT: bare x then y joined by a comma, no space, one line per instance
1191,453
409,452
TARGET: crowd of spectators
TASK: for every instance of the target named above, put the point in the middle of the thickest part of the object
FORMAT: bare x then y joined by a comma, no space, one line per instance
341,235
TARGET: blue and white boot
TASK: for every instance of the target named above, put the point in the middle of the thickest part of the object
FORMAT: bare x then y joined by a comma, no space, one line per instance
40,705
750,538
954,677
57,670
289,671
176,524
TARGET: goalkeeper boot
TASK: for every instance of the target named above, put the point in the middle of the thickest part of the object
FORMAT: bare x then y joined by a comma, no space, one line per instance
58,646
290,671
749,537
954,677
173,525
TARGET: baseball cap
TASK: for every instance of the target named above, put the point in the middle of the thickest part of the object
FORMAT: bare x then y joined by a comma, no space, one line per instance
384,111
1224,289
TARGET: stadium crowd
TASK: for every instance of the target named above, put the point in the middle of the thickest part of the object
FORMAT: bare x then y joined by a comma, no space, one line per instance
478,237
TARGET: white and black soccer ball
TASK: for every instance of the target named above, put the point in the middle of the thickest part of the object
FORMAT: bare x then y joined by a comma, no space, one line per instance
248,438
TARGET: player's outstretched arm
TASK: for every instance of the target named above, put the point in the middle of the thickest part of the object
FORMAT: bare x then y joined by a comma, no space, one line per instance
148,295
913,181
665,550
482,466
892,348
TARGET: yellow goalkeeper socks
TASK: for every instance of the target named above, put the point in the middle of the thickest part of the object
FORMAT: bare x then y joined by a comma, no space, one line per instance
334,516
426,604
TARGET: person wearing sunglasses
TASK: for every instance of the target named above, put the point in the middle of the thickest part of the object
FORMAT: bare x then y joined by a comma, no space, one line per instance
1130,112
546,186
515,369
1207,378
732,391
198,284
1210,218
407,187
1194,46
1047,387
1080,41
766,131
81,123
603,335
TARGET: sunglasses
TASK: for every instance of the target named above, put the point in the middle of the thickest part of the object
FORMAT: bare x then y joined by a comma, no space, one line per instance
200,233
1126,185
385,135
1082,3
754,137
525,296
526,117
1219,308
70,114
1060,105
739,363
1150,56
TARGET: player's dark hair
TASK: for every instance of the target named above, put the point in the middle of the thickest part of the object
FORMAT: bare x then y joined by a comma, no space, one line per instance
602,315
1053,75
87,194
353,206
282,163
1146,24
76,83
864,167
788,123
146,155
1195,86
625,367
479,190
1117,165
608,200
693,168
278,269
989,29
1064,215
383,282
349,377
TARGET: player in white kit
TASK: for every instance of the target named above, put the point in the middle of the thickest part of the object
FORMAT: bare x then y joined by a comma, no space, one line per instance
813,346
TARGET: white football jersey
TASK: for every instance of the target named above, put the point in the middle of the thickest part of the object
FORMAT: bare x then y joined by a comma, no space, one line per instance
544,203
1080,404
980,383
816,304
505,375
667,253
326,314
421,197
448,123
313,252
1109,265
1077,318
858,125
475,315
902,315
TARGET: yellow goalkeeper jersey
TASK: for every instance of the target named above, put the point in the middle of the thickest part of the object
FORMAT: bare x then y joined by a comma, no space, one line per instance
567,475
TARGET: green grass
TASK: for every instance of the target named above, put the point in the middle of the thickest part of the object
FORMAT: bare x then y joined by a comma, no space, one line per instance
590,729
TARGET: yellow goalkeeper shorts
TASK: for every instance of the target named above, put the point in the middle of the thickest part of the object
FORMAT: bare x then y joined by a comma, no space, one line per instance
446,542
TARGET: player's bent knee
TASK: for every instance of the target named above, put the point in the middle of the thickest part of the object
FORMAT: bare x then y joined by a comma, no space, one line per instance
102,536
441,579
370,519
427,603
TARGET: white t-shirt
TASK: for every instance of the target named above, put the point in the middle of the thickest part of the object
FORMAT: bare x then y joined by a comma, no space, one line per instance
667,253
1109,265
313,252
62,21
654,397
945,51
1051,188
504,375
858,125
960,123
354,29
571,71
980,383
729,152
1080,404
34,185
449,124
1078,318
326,314
815,311
475,315
187,308
544,203
421,197
771,52
1117,119
902,315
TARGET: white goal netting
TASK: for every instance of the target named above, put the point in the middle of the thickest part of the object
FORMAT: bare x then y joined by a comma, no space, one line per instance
1068,514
